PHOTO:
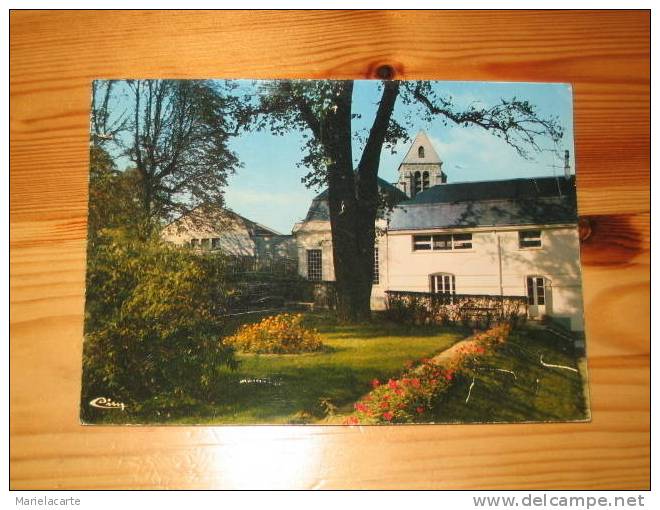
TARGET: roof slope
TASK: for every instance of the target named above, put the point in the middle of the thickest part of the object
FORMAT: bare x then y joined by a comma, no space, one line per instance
319,210
543,200
430,154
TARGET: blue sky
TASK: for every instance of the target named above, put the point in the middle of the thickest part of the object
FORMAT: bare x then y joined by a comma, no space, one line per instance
268,188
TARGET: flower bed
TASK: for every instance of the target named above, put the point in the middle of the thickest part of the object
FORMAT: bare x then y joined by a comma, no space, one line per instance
411,397
278,334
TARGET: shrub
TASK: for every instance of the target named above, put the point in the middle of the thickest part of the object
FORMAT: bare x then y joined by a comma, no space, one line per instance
153,315
278,334
412,397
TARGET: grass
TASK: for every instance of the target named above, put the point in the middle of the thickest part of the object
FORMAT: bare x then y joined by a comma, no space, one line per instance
321,387
305,388
537,393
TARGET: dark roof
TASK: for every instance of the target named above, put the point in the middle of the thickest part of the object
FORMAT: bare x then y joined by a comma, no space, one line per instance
320,210
541,200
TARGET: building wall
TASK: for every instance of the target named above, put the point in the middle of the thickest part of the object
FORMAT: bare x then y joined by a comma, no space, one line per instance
477,270
233,237
316,235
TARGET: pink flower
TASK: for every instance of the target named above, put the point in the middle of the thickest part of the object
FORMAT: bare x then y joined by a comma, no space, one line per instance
388,416
449,375
360,407
375,383
420,410
393,383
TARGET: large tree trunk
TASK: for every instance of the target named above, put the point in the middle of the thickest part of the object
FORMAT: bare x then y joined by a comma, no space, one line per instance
351,283
353,201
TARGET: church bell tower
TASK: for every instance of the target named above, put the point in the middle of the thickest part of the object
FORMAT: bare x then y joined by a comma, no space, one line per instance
421,168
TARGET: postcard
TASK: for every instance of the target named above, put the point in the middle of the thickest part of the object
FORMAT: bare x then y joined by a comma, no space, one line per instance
332,252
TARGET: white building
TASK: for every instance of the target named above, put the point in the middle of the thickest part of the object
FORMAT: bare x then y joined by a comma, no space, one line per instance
221,229
515,237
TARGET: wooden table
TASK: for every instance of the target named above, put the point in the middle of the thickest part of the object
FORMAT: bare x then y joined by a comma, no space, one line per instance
54,55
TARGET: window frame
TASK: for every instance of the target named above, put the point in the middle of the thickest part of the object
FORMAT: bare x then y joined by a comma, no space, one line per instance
443,242
521,239
444,278
309,252
535,298
375,280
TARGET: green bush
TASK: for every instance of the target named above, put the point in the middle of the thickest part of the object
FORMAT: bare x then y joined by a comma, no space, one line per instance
153,316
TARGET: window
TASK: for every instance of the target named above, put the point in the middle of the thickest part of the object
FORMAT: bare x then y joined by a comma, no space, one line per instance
425,180
536,290
205,243
194,242
462,241
314,265
420,152
215,243
417,183
529,239
421,243
443,283
442,242
376,279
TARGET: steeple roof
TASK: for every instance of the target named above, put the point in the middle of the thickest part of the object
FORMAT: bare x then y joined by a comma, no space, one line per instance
413,154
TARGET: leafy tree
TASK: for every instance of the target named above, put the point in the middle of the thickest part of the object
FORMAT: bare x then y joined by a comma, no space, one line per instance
324,110
174,134
152,323
114,196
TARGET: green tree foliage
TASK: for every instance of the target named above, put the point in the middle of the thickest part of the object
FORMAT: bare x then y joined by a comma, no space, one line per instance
176,136
153,318
113,196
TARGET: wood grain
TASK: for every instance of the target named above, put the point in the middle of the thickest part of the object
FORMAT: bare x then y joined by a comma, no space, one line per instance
54,55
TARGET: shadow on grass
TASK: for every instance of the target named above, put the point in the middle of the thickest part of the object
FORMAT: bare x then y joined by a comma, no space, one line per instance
536,393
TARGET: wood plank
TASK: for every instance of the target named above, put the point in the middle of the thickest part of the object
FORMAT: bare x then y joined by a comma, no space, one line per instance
605,55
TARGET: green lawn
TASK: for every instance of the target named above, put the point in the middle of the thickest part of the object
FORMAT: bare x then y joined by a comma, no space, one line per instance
305,388
322,387
537,393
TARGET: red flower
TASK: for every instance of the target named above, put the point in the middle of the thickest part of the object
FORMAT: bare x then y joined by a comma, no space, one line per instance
420,410
360,407
388,416
399,391
393,383
385,396
415,382
351,420
375,383
384,405
449,375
